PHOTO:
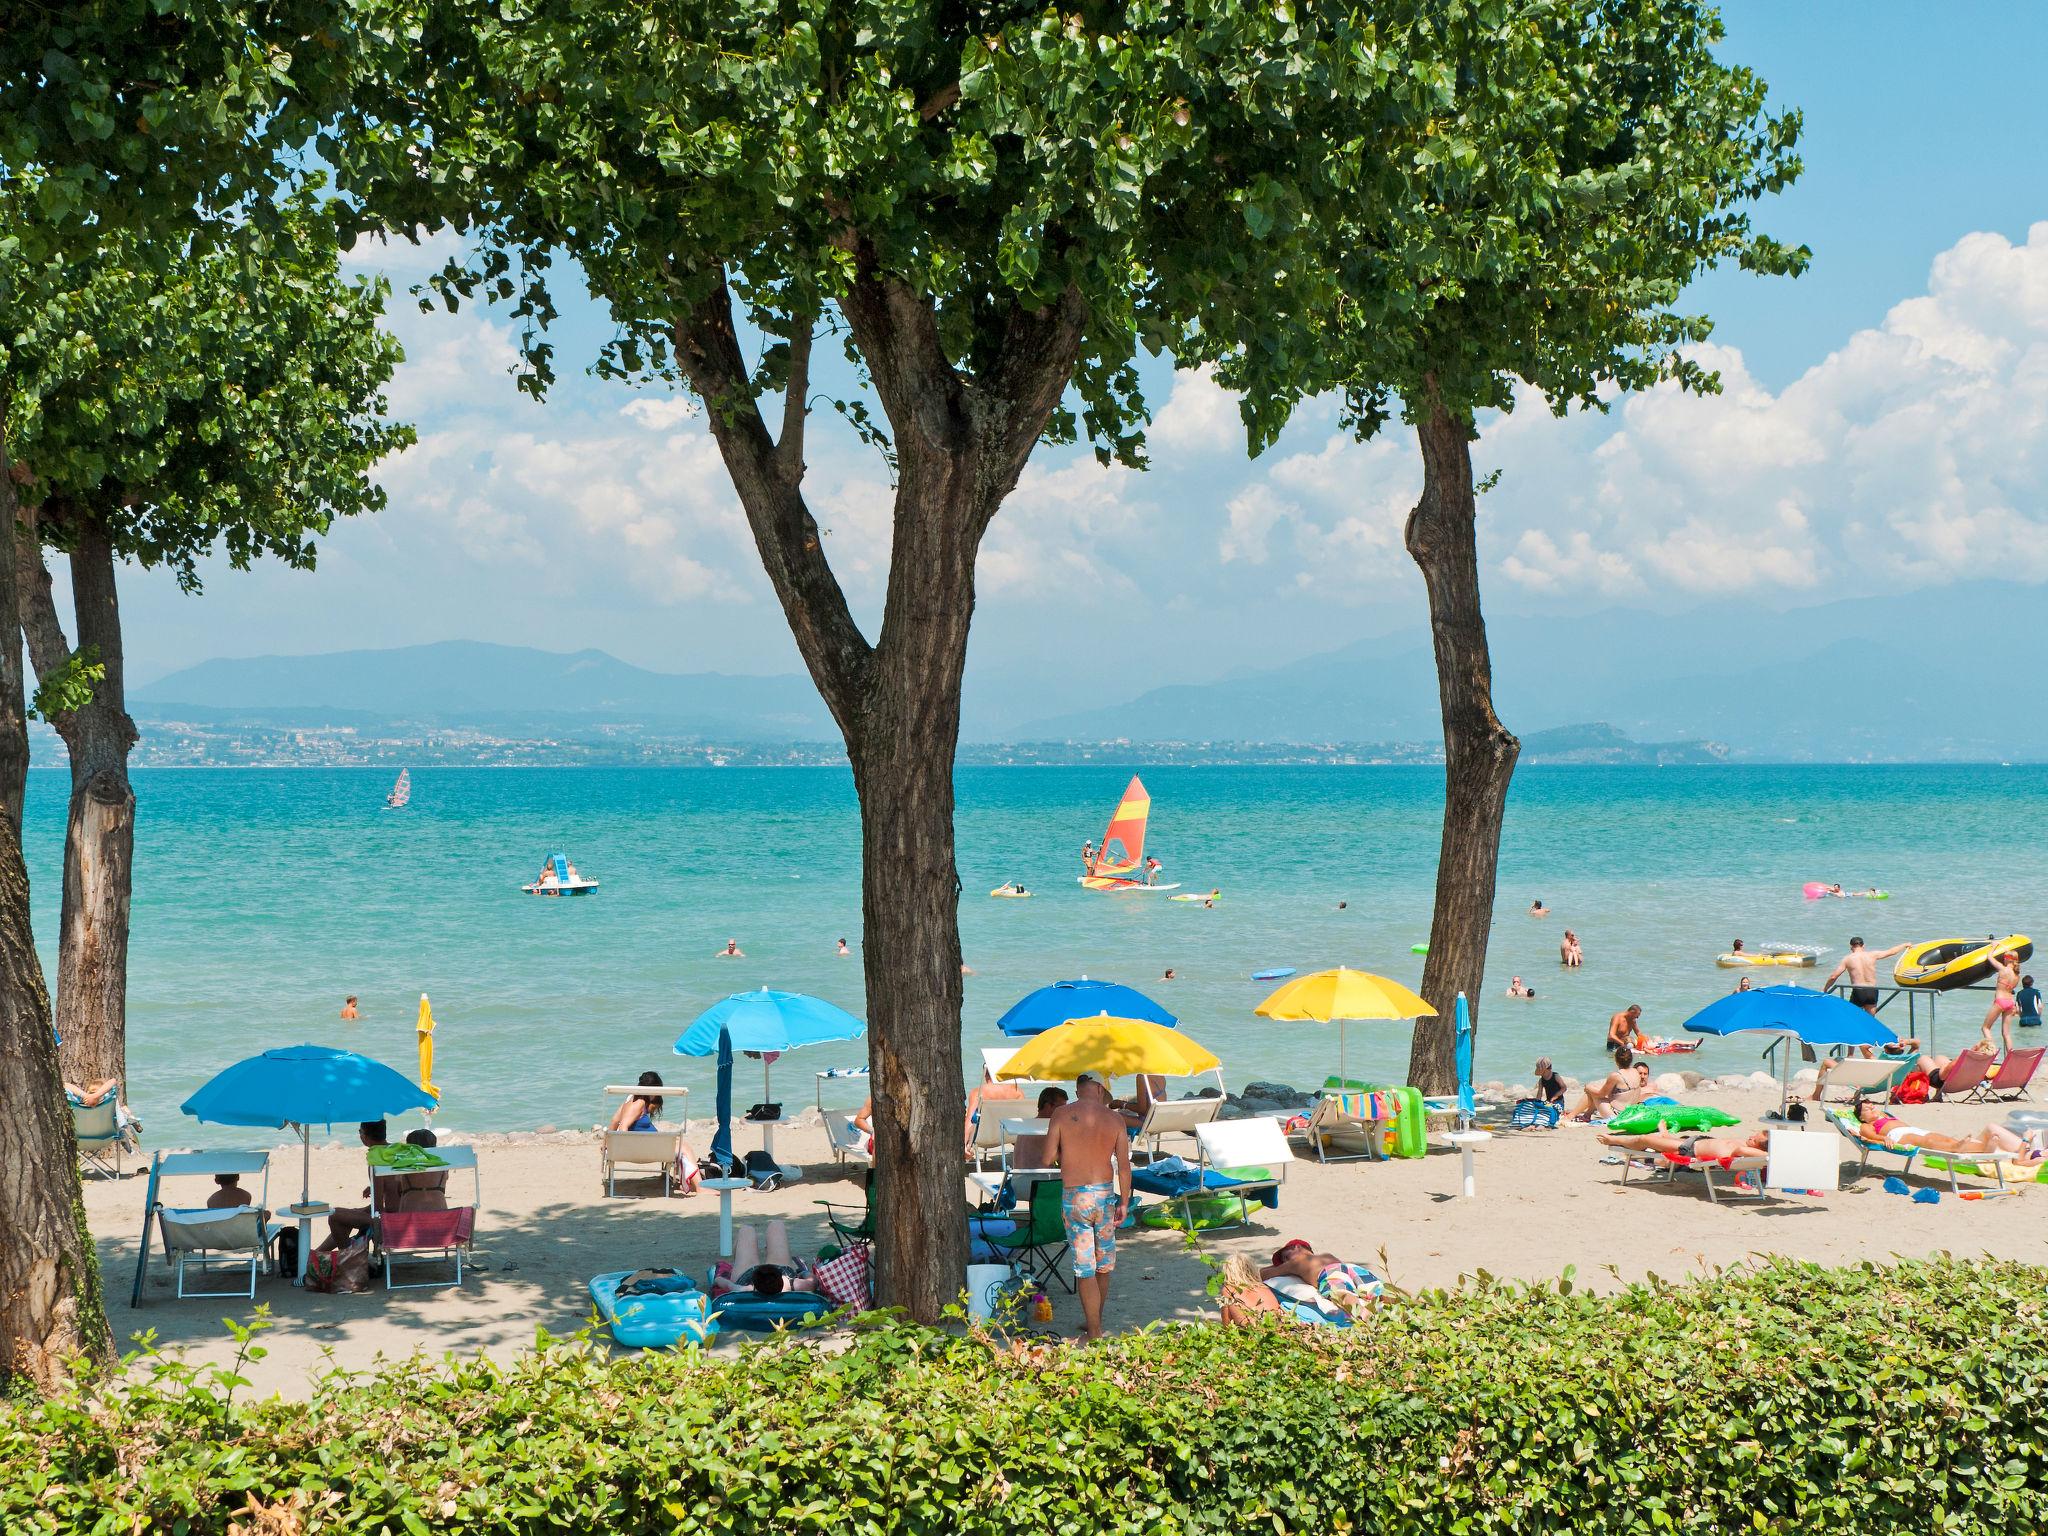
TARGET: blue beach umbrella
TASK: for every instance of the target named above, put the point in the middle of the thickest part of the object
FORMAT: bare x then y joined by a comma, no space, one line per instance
1063,1001
763,1020
301,1086
1466,1103
1796,1013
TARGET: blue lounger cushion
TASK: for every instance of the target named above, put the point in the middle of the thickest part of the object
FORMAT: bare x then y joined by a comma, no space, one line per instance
1174,1177
764,1314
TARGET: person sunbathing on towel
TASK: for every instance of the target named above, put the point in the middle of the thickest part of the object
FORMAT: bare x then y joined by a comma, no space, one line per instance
1345,1284
1245,1296
1879,1124
772,1276
1706,1149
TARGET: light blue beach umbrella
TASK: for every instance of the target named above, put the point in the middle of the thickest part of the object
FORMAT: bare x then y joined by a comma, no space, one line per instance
1064,1001
1466,1103
763,1020
1792,1013
300,1086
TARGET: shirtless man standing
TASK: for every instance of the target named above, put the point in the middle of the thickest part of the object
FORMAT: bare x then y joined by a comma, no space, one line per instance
1086,1138
1860,964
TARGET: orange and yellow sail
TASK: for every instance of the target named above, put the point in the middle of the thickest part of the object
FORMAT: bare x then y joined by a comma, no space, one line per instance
1123,843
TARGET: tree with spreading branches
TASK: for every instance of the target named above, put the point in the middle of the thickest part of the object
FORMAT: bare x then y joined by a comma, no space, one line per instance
1584,160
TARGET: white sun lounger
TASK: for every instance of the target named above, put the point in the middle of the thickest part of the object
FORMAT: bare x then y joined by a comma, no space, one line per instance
1174,1117
639,1149
1226,1144
230,1241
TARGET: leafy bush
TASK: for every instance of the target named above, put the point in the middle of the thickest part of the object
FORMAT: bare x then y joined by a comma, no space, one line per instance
1855,1401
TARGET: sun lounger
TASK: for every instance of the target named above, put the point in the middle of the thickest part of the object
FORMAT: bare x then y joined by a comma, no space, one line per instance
2013,1075
849,1141
1173,1117
1869,1077
195,1166
1985,1165
199,1239
1358,1120
639,1149
1252,1156
100,1138
1734,1170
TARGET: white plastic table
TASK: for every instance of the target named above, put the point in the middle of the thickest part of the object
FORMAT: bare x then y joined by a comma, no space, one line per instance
725,1187
1467,1143
305,1216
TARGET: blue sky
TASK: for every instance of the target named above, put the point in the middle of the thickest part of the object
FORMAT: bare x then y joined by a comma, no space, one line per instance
1885,427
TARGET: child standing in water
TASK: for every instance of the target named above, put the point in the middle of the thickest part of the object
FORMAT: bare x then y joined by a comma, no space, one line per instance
2004,1008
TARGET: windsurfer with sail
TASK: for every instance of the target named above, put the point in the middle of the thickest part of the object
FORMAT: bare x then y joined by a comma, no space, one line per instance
1088,857
1152,868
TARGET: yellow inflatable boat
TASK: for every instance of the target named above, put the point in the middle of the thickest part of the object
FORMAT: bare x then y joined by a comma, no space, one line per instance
1742,957
1939,965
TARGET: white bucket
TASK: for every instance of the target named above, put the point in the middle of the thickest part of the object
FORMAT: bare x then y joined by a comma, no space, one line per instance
984,1281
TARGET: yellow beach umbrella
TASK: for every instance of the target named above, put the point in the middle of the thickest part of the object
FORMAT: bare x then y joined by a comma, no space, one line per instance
426,1028
1109,1045
1332,997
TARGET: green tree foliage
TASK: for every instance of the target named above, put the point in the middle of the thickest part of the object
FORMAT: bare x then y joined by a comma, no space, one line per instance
231,399
1870,1399
991,207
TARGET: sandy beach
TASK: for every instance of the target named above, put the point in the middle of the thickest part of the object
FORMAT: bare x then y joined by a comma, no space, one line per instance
1545,1203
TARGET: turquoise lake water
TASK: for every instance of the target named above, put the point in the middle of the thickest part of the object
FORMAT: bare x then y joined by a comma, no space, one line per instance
263,897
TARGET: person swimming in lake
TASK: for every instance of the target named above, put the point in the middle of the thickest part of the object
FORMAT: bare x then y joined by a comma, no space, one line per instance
1624,1030
1516,988
349,1014
1537,909
732,951
843,950
1568,952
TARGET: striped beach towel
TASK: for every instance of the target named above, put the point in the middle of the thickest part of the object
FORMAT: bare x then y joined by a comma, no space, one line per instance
1383,1107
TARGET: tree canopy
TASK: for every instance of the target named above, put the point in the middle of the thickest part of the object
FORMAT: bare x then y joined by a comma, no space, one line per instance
231,397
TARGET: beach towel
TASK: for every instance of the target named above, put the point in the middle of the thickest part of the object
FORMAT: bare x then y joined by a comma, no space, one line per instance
1370,1106
405,1157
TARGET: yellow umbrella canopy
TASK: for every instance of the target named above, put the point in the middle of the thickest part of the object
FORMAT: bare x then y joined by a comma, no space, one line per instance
1109,1045
426,1031
1335,996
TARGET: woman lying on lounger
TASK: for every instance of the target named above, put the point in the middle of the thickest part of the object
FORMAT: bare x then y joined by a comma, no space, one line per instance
1880,1124
1709,1149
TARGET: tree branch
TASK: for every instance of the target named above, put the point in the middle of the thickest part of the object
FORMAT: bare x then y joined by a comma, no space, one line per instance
789,448
41,625
1040,349
897,331
792,552
944,97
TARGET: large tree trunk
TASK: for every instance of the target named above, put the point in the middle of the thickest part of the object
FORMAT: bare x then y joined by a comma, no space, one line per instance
960,446
51,1311
1479,752
99,839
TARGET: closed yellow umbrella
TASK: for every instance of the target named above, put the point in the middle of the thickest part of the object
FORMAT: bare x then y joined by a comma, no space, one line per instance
1335,996
1109,1045
426,1028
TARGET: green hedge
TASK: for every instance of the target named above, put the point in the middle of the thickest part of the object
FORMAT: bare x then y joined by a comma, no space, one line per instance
1841,1402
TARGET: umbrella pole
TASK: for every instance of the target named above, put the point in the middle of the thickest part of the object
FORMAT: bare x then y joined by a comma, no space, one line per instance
305,1166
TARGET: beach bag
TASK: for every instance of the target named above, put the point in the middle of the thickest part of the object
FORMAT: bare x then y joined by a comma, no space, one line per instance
763,1170
340,1271
288,1251
1914,1088
764,1112
849,1279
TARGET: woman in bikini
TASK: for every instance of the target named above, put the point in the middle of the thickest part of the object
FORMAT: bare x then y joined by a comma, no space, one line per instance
2005,975
1880,1124
1706,1149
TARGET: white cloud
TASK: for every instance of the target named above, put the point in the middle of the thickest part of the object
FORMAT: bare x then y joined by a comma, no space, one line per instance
1069,526
403,261
659,411
1200,416
1917,452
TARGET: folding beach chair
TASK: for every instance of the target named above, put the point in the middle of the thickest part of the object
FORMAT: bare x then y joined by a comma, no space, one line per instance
1733,1169
1251,1154
2013,1075
424,1237
1355,1118
1038,1246
98,1129
849,1141
1866,1076
1965,1074
1984,1165
232,1241
852,1224
1173,1117
639,1149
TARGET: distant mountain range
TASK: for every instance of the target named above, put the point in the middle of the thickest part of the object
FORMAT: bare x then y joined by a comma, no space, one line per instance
1944,675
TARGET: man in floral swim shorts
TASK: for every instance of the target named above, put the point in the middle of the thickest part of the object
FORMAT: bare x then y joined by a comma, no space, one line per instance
1088,1141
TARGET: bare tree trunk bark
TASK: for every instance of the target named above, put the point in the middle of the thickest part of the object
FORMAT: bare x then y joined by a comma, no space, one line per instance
51,1310
99,840
1479,752
960,447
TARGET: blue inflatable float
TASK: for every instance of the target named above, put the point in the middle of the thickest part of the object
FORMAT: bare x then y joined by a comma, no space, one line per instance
661,1310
